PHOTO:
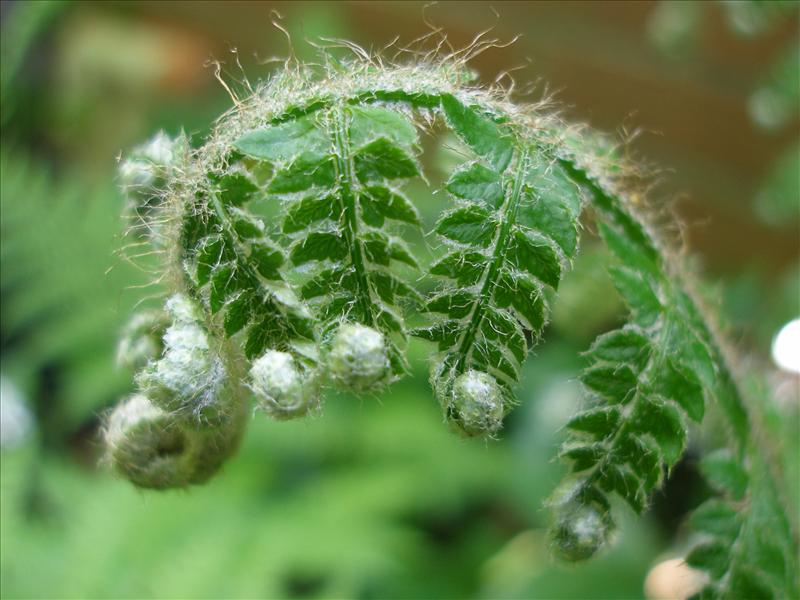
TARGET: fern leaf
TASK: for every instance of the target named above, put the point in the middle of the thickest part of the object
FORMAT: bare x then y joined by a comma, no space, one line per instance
328,157
237,268
504,252
747,550
644,381
344,164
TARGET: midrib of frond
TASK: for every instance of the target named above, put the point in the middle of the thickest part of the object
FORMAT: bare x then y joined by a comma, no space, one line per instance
591,477
508,214
345,184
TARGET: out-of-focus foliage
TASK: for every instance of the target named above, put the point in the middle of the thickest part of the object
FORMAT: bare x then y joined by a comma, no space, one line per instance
778,200
22,26
774,104
63,287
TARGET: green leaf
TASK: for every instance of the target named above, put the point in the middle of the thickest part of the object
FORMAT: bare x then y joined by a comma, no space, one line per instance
444,332
711,556
246,225
235,189
725,474
209,255
262,335
596,421
223,283
457,304
382,159
285,142
626,345
237,313
644,457
638,294
533,253
520,292
381,249
486,138
552,186
390,288
690,351
681,386
620,479
550,216
304,173
616,384
494,359
390,321
466,268
751,585
552,206
469,224
319,245
503,330
583,456
368,123
477,183
379,203
267,259
717,518
308,211
627,251
324,282
664,423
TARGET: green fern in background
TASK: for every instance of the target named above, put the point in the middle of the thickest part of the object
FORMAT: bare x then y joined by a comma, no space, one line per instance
65,294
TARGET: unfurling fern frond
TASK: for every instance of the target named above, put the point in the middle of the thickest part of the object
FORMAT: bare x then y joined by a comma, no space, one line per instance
747,548
336,172
234,267
644,382
283,231
513,229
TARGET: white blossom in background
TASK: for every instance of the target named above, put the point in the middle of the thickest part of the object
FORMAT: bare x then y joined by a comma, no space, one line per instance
786,347
16,421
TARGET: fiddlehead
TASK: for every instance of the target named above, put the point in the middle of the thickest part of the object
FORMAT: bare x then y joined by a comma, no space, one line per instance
335,171
283,238
514,227
644,380
149,447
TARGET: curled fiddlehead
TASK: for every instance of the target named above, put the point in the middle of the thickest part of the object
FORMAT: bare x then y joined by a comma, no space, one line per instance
283,237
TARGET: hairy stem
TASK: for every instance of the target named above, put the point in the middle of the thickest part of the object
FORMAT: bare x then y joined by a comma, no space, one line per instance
345,183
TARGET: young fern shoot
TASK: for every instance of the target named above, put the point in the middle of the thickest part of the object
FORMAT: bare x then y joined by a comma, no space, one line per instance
282,235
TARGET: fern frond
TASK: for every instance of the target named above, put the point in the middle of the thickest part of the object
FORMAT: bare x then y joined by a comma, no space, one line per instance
513,230
645,382
317,279
235,268
336,173
747,551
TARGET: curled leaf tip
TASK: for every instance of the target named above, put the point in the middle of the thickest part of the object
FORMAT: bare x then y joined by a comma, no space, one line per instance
476,408
358,358
283,390
580,530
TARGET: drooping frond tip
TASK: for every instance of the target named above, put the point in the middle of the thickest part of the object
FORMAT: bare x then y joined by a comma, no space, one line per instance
285,234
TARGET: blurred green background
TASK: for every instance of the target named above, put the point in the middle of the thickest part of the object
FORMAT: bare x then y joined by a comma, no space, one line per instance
372,499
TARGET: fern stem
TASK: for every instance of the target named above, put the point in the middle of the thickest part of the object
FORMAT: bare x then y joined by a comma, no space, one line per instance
509,212
347,198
